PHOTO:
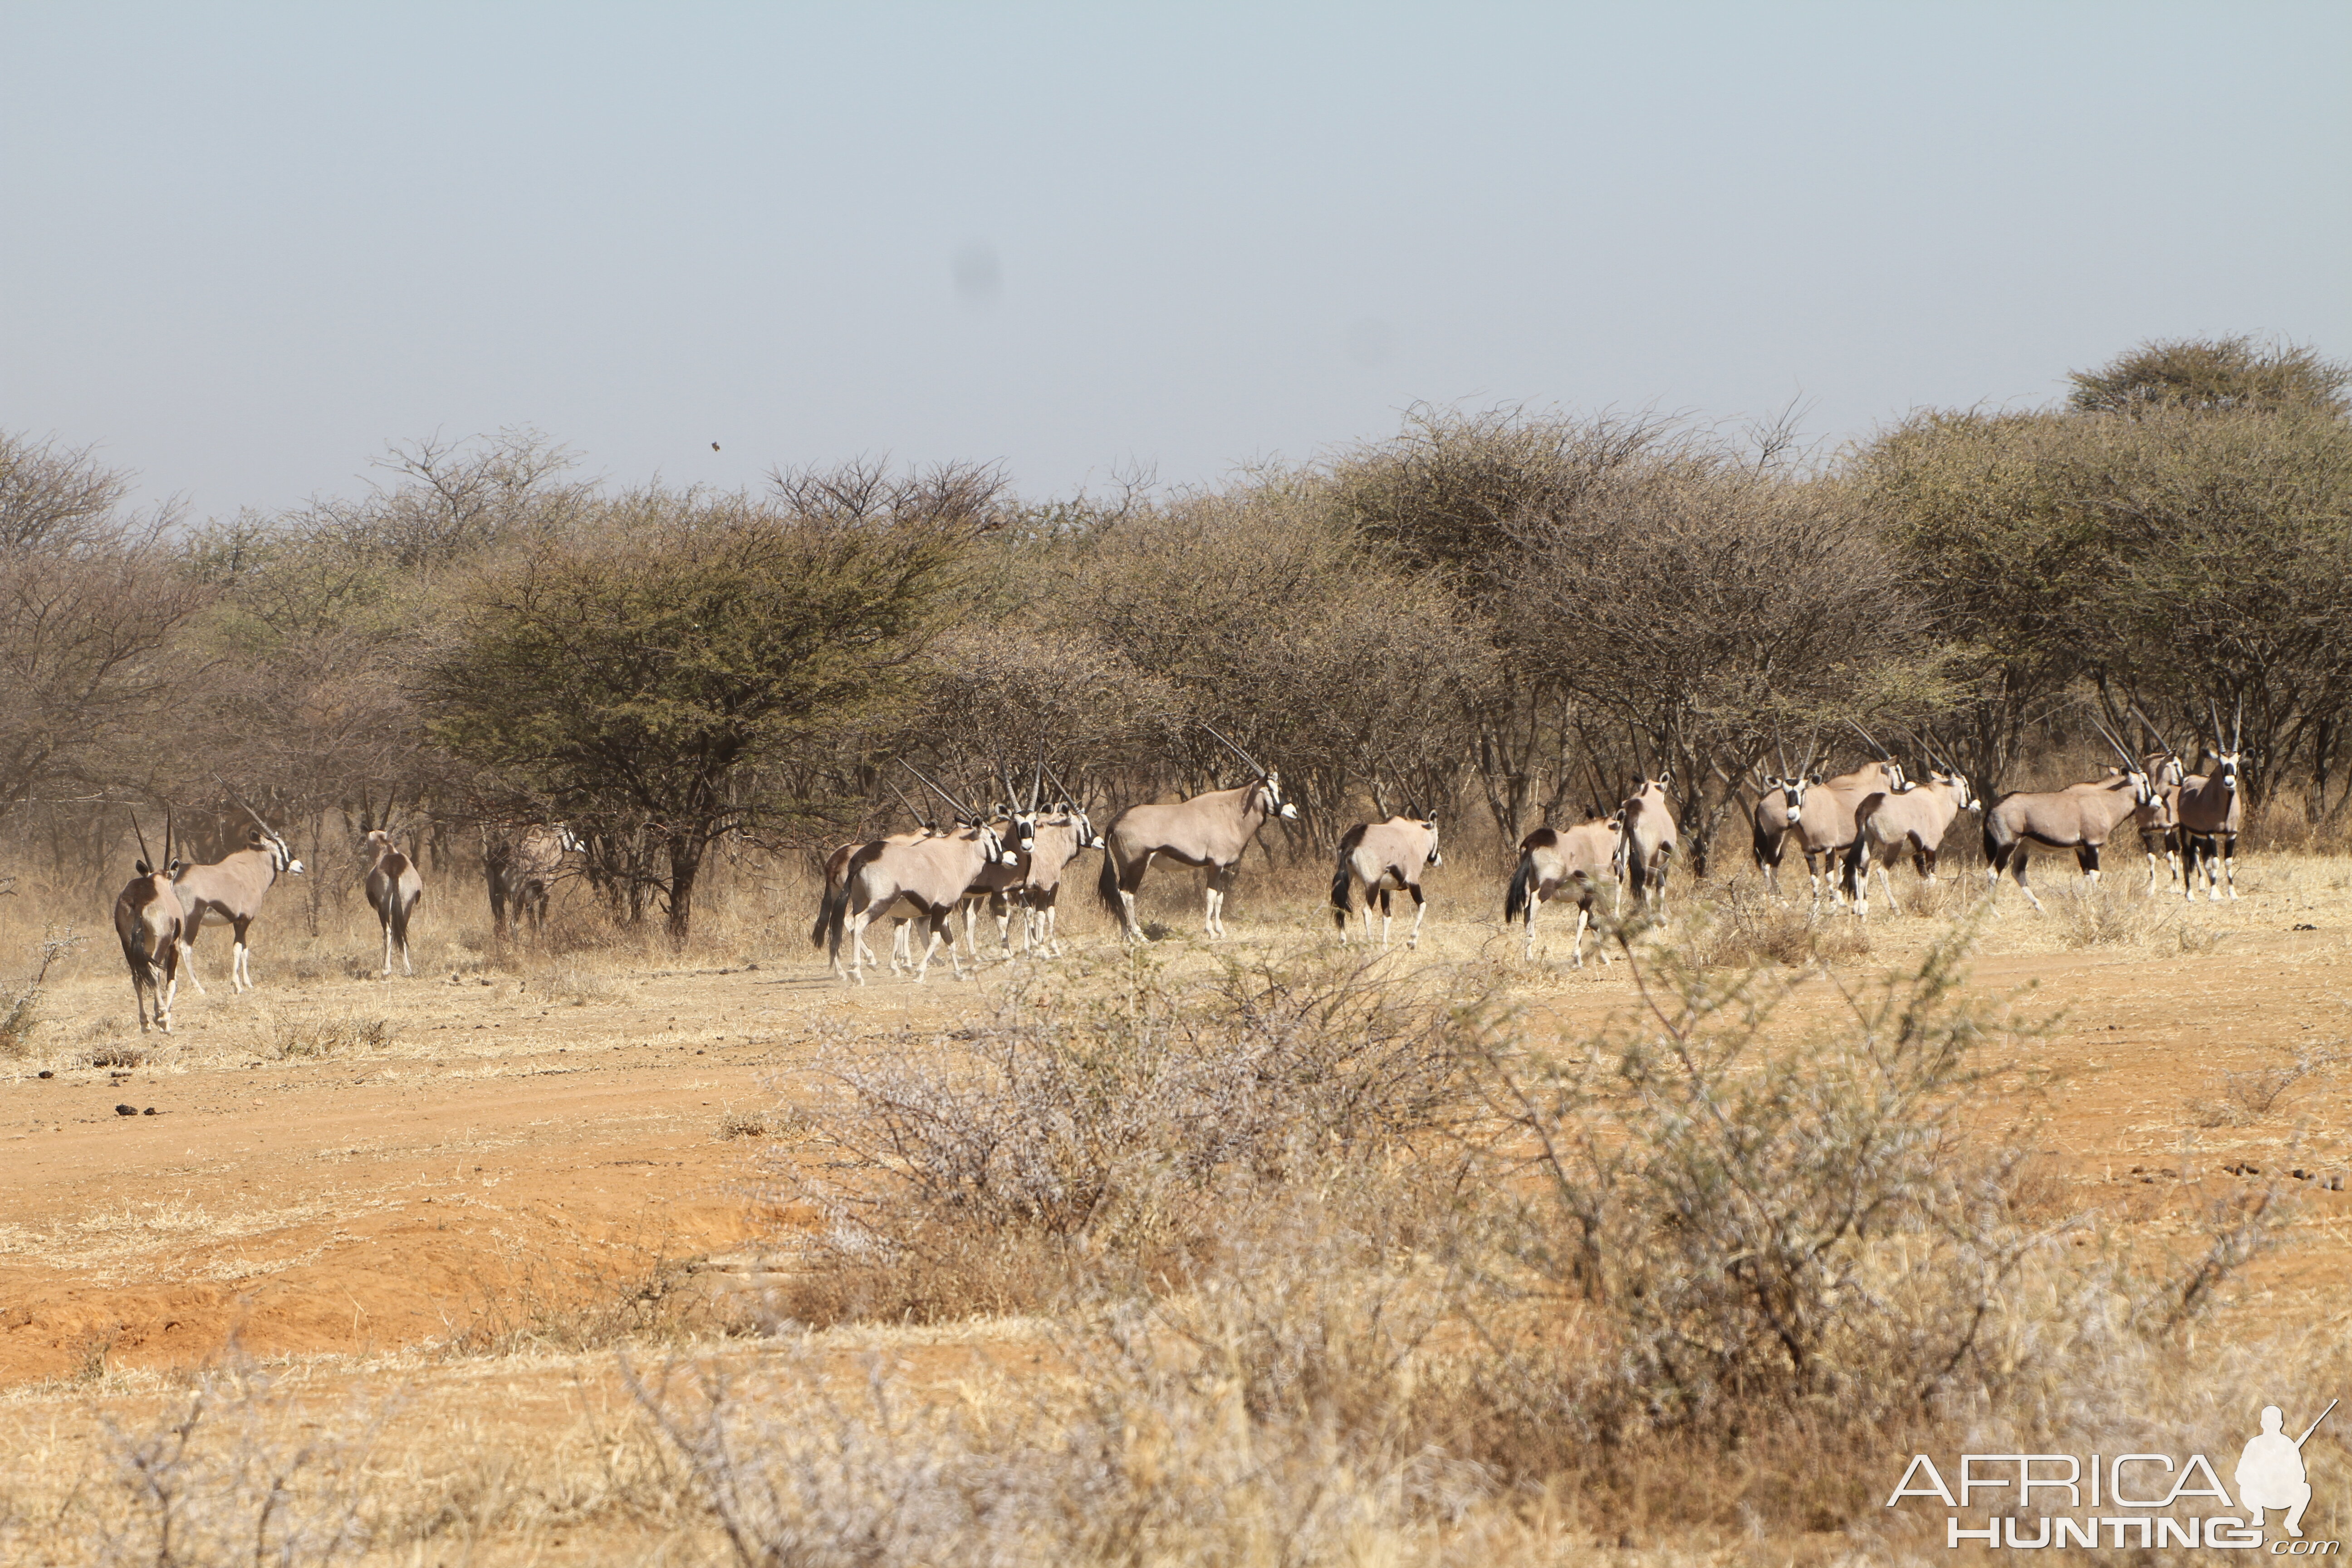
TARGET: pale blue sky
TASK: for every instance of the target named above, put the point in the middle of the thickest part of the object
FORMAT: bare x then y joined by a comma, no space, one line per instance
242,247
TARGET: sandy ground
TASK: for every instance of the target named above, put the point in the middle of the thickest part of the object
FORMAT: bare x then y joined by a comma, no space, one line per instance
339,1166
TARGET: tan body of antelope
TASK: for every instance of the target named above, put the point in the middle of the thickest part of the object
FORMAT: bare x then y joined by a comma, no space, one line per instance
931,876
2158,822
837,888
1646,844
147,920
231,891
1825,827
394,890
1570,862
997,882
1388,858
1058,840
520,866
2082,817
1891,827
1212,831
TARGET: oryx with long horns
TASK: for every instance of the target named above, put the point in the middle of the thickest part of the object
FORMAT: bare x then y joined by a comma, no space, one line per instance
2081,817
930,876
1387,858
520,865
147,920
836,878
2211,813
1556,862
1646,844
232,889
1825,824
1780,803
393,891
1890,827
1212,831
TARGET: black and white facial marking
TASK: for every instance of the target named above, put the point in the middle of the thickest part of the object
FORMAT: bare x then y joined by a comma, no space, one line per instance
1793,791
2225,768
992,846
1274,805
281,859
1434,857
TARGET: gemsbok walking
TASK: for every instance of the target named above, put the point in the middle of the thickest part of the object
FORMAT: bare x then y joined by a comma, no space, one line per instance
1563,862
394,888
147,922
1891,827
232,890
1646,844
1212,831
2081,817
929,876
1388,858
520,865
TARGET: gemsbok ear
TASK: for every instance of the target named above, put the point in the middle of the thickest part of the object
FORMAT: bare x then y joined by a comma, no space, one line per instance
143,867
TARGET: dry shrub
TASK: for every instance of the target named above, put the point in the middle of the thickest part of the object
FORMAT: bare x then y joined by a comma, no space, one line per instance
327,1036
20,1008
234,1474
2237,1099
1746,929
2108,914
1710,1251
987,1169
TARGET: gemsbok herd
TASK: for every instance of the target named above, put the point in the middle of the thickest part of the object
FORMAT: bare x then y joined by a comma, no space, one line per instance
1016,854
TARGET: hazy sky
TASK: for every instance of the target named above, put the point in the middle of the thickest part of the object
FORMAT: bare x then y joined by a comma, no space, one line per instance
243,246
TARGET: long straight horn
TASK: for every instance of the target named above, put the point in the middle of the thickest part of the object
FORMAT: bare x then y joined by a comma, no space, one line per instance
2213,712
242,807
953,804
167,836
144,853
1236,751
2155,731
1880,752
2238,724
2131,764
920,820
1037,787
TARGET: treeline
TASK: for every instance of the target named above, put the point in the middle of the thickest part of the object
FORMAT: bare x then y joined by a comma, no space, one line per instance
1502,615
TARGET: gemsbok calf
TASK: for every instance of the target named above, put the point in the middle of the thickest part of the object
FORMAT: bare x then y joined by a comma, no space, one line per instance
1891,827
1563,862
2081,817
1387,858
147,922
1646,844
394,888
1212,831
232,889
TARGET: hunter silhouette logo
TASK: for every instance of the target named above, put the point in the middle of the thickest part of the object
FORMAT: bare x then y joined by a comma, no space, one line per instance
2151,1500
2271,1473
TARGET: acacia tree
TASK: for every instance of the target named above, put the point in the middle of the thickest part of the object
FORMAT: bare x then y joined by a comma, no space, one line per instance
651,673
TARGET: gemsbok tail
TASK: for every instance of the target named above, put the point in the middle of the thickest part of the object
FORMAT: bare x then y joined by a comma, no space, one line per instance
1520,893
827,908
1106,883
1341,895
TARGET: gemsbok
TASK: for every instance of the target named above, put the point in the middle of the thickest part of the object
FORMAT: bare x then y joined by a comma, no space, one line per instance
836,885
232,889
1212,831
1059,839
1387,858
1779,801
520,865
1646,844
2081,817
1825,824
1563,862
1891,827
2210,815
147,920
394,888
931,875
